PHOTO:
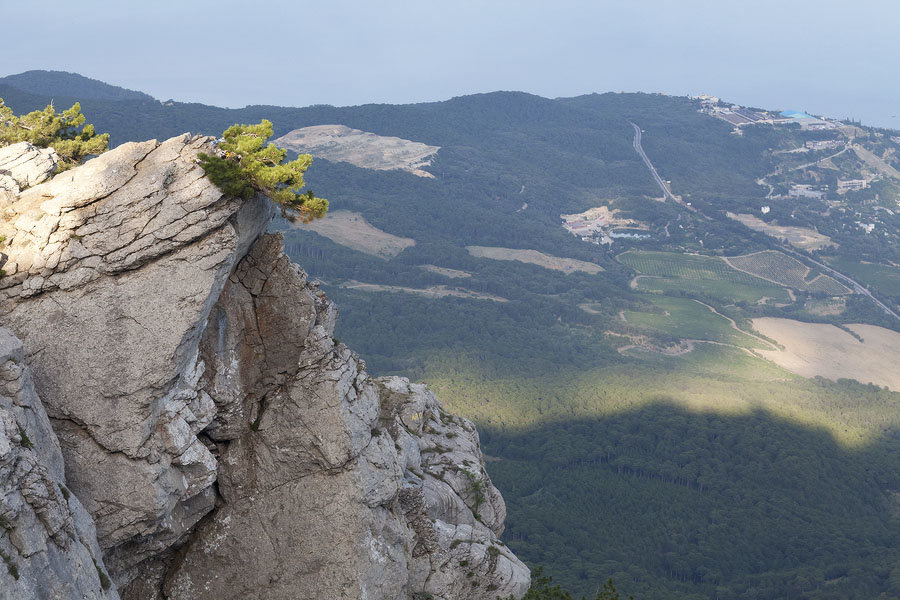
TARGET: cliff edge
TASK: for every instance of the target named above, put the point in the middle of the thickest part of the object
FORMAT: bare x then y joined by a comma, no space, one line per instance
221,442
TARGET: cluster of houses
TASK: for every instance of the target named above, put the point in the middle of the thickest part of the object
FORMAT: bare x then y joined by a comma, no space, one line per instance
739,116
587,230
818,192
601,226
803,190
823,144
736,115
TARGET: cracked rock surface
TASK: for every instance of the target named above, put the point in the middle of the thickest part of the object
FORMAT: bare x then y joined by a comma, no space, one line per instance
22,165
333,485
48,547
111,271
224,444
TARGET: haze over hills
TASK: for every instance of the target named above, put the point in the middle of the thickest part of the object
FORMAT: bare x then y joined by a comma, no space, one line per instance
652,384
72,85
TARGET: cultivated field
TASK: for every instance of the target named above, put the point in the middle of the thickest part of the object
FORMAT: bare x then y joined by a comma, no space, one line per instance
782,269
707,275
690,320
556,263
818,349
435,291
352,230
799,237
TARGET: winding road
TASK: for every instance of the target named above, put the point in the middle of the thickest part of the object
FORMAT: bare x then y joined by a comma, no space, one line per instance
854,285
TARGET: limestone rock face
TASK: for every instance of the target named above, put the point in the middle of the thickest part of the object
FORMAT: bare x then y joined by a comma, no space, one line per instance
111,271
449,500
223,443
48,545
302,432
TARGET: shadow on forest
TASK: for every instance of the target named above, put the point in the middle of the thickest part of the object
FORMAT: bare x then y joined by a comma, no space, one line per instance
679,504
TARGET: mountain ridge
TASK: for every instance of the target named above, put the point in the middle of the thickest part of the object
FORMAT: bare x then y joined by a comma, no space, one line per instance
615,401
72,85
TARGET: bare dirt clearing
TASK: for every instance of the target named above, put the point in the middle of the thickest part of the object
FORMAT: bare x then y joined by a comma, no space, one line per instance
591,308
352,230
360,148
820,349
451,273
435,291
556,263
799,237
875,162
601,216
645,344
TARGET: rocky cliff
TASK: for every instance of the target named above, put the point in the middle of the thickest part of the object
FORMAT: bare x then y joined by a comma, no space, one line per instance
221,442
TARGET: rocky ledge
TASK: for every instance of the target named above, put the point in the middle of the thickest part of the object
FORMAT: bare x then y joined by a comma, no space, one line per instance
220,440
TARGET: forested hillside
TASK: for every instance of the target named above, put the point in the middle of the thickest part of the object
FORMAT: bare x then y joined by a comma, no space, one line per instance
608,342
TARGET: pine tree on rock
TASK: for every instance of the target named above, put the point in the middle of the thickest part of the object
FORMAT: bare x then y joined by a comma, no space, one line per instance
65,132
244,164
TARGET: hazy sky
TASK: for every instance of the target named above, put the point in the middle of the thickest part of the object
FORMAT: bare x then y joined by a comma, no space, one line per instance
837,57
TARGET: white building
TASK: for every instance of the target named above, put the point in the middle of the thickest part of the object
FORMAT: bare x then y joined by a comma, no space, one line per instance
804,190
846,185
823,144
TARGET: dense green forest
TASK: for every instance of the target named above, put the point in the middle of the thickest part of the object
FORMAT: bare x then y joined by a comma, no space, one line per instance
634,432
701,505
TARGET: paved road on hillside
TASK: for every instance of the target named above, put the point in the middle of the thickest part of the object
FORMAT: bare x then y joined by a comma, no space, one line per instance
854,285
659,180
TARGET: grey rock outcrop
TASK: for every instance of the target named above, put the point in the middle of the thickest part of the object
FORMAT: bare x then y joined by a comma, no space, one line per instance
111,271
302,432
449,499
48,545
22,165
224,444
